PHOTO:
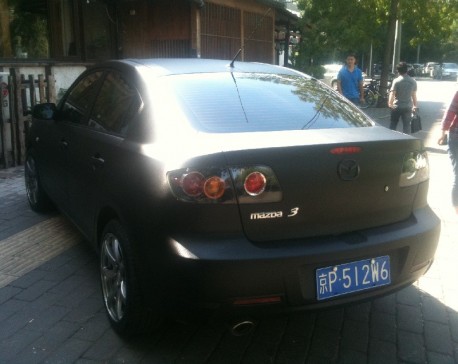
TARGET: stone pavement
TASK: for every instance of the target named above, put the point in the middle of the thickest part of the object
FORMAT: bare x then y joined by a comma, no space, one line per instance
51,308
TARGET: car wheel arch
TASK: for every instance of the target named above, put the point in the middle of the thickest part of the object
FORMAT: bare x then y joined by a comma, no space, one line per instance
105,215
37,197
137,313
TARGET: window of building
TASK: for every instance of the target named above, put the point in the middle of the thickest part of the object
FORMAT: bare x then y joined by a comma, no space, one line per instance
63,28
98,19
24,29
58,29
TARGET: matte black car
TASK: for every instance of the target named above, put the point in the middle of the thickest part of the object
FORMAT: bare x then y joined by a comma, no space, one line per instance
232,187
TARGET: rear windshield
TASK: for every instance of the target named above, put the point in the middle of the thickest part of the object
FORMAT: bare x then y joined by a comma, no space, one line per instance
248,102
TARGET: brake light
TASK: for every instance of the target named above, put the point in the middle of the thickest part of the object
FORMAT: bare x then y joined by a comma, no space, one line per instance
247,185
345,150
192,184
255,183
214,187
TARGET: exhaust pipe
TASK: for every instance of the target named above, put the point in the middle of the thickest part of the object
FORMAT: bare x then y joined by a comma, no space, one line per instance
242,328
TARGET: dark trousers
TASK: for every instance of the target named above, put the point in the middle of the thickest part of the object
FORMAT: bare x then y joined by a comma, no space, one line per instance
405,114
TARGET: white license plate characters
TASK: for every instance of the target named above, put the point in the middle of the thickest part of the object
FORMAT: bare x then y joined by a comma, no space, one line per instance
352,277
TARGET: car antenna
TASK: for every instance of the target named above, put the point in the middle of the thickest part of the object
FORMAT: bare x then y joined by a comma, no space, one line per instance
233,59
251,35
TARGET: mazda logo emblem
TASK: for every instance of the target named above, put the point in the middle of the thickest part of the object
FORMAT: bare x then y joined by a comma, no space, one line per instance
348,170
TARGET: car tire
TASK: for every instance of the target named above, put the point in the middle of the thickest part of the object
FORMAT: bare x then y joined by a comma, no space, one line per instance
127,312
37,197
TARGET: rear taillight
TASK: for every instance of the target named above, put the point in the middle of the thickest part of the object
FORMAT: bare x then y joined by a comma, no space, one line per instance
415,169
192,184
203,185
254,184
214,187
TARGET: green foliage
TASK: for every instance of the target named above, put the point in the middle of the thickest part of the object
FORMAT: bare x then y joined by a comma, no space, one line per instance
332,28
29,29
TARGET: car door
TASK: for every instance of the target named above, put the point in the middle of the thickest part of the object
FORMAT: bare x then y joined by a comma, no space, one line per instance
73,113
96,157
50,151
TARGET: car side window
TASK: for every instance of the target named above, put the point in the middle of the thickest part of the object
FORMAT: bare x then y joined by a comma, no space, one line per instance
80,99
116,103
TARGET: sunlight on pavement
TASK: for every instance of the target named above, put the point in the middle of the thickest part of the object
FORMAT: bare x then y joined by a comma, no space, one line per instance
440,281
27,250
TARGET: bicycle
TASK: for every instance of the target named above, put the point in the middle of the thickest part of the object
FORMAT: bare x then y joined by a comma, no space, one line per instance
372,92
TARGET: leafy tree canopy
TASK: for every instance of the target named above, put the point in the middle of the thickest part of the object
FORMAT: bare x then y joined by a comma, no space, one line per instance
331,28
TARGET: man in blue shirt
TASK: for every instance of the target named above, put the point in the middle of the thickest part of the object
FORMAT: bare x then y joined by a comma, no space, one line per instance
350,81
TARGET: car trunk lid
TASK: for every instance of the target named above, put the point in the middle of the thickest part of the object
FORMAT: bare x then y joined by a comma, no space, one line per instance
328,186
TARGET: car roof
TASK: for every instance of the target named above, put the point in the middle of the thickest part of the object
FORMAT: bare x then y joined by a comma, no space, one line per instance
171,66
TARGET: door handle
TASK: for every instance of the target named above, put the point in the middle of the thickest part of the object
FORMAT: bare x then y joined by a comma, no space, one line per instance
63,144
97,161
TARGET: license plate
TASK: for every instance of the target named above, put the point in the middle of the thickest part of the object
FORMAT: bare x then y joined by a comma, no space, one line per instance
352,277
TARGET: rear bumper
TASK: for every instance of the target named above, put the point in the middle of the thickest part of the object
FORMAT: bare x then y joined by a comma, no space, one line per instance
222,272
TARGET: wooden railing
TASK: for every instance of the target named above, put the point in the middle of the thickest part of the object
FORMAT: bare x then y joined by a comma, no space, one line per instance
17,98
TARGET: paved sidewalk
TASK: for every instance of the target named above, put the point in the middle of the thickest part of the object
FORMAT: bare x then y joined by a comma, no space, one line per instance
52,311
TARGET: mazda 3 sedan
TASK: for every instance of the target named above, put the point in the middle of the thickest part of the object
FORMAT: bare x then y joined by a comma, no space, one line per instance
230,187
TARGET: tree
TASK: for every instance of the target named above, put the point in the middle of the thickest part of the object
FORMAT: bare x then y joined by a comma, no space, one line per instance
5,39
331,28
393,16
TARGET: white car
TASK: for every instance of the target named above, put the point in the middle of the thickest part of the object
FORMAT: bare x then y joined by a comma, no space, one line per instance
330,75
429,67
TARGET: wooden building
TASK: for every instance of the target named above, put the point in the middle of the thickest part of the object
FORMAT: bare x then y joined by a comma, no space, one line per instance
92,30
58,39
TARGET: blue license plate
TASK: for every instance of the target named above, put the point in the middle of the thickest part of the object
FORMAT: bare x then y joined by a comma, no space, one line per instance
352,277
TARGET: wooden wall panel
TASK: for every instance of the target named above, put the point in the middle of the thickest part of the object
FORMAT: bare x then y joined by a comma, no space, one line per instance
155,29
226,29
164,28
134,36
220,31
259,37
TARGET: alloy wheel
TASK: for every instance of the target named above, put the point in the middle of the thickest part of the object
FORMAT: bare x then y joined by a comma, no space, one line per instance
31,181
113,275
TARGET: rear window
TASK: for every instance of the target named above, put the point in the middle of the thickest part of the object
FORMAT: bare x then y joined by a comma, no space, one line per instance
248,102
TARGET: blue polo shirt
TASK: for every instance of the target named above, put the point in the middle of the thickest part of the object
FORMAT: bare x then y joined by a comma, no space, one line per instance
349,82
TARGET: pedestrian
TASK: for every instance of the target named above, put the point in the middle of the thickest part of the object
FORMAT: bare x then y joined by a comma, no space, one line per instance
350,81
403,98
450,124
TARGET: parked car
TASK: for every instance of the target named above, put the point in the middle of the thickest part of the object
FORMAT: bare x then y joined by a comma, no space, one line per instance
449,71
236,188
429,68
330,75
418,69
410,70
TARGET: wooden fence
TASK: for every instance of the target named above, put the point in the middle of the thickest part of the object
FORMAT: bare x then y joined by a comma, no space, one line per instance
17,98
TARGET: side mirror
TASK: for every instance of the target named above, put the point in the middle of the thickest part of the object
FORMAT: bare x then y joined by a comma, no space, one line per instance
44,111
